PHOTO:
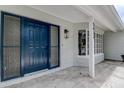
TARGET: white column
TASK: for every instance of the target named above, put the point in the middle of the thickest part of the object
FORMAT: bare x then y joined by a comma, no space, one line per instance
91,48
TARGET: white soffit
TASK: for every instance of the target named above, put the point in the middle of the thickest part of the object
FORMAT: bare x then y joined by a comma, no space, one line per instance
104,15
66,12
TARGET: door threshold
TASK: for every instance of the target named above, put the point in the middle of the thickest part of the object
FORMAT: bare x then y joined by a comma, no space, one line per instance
36,72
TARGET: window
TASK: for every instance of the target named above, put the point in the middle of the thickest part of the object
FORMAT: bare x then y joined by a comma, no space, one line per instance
54,58
82,42
83,45
98,43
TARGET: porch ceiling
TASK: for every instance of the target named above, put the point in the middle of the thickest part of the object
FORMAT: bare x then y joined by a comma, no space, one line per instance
66,12
105,15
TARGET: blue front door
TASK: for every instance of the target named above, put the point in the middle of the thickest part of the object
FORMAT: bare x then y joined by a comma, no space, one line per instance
34,46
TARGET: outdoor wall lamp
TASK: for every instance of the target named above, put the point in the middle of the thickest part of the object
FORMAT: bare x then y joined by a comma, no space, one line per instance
66,33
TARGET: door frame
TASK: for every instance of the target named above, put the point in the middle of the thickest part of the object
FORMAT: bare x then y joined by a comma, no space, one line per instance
21,28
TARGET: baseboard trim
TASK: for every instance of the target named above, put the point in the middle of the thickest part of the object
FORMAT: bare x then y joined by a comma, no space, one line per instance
113,60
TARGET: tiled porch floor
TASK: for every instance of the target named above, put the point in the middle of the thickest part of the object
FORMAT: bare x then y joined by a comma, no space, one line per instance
108,74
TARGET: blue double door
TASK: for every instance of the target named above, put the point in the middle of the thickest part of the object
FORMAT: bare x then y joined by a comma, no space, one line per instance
35,46
27,46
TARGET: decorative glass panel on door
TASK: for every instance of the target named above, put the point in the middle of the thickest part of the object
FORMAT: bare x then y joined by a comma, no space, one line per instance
11,47
54,53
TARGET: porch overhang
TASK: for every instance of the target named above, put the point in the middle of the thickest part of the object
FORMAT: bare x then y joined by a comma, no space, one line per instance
105,16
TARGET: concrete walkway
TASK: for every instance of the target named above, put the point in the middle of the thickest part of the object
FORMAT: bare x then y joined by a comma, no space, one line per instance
108,74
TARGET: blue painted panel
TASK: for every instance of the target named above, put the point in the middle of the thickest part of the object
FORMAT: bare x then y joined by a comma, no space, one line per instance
35,46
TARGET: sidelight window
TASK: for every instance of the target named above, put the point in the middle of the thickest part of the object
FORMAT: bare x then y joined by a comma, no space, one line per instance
11,47
54,46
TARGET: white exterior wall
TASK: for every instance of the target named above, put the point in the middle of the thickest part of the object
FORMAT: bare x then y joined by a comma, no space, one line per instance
79,60
66,44
114,45
83,60
68,47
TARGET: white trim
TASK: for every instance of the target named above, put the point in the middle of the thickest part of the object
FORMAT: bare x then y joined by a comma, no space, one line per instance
86,42
87,56
91,49
116,15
